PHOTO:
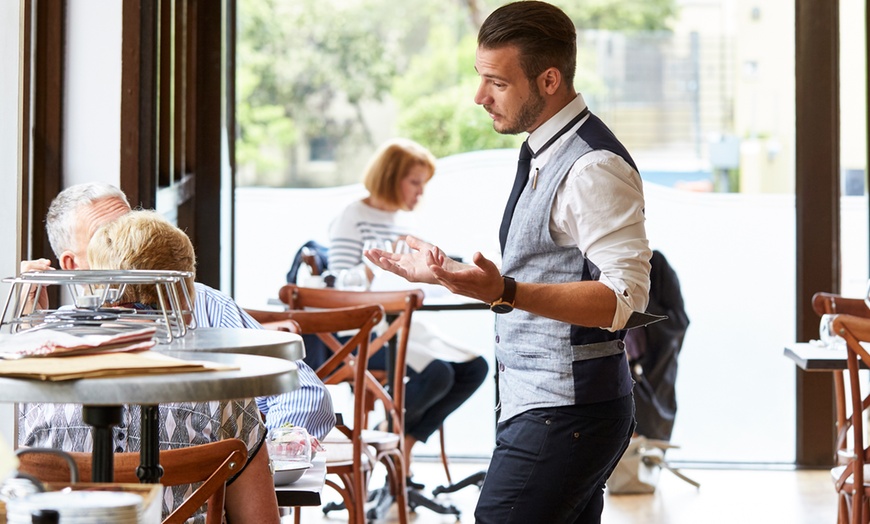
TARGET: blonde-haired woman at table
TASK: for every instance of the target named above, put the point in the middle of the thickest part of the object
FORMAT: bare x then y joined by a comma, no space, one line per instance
146,240
442,374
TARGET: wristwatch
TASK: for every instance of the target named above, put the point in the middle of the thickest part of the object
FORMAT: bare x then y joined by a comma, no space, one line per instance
505,304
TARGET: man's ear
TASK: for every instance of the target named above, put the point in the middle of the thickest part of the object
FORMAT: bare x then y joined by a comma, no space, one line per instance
550,80
67,260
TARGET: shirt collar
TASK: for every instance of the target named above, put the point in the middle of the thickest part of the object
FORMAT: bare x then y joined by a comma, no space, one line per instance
545,131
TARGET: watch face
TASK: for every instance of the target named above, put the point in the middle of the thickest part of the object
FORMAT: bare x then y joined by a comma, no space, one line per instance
501,307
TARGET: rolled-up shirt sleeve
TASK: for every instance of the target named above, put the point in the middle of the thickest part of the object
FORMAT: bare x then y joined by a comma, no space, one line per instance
600,209
309,406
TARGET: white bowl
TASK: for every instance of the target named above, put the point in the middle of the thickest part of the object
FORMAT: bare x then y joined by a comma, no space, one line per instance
87,301
289,472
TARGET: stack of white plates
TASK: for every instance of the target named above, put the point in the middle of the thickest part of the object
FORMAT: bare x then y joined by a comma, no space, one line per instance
78,507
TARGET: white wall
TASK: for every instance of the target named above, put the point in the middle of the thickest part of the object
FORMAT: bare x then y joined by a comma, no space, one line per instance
93,112
9,197
92,149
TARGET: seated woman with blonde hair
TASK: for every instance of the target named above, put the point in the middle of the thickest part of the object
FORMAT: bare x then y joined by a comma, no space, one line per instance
146,240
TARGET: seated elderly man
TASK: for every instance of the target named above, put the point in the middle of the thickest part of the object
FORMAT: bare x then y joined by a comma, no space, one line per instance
144,240
79,210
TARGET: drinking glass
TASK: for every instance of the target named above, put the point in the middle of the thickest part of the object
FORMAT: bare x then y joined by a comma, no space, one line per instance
353,279
372,244
826,333
401,247
289,444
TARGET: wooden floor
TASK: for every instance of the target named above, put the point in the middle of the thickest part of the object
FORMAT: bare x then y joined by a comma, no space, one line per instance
725,496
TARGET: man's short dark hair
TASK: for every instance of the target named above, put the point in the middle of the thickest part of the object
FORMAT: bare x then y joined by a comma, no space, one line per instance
544,35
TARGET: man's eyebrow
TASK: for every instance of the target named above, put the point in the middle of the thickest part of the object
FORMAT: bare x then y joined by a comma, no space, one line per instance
491,76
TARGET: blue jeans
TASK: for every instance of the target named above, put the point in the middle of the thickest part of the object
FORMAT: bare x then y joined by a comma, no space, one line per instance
550,465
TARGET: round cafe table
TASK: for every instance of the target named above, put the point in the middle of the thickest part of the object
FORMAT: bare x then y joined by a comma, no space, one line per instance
102,398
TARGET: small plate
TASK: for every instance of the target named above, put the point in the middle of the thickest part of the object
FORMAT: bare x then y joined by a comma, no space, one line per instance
289,472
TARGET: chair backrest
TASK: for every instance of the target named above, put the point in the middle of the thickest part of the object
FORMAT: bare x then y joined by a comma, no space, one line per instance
398,306
276,320
347,362
831,303
312,254
212,464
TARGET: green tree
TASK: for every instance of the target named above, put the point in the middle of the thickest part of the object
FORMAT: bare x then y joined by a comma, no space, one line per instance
298,60
309,68
435,94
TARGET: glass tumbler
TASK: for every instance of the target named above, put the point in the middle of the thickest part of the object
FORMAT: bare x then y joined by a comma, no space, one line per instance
289,444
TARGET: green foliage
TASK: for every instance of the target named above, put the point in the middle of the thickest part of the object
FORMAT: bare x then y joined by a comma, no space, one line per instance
308,68
620,15
436,98
435,94
298,60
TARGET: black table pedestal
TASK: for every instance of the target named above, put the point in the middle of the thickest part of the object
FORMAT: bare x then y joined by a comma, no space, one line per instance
150,470
102,419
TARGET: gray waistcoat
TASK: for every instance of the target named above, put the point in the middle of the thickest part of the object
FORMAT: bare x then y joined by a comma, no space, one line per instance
543,362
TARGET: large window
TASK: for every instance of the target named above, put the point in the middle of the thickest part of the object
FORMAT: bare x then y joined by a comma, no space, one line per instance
701,93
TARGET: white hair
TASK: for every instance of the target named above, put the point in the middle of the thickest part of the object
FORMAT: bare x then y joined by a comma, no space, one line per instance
60,221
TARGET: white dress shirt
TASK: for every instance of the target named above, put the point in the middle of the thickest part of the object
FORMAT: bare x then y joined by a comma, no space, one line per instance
601,191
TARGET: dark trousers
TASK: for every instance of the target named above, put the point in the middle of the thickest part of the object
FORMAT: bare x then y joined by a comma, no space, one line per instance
437,391
550,465
434,393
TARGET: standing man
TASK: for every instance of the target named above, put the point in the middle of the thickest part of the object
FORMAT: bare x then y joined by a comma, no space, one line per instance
575,266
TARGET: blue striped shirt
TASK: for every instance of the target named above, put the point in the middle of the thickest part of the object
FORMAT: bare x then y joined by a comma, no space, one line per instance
310,406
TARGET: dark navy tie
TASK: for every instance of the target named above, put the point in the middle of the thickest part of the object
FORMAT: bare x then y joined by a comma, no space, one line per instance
523,167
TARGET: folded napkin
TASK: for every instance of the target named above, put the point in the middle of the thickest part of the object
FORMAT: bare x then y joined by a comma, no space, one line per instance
50,342
103,365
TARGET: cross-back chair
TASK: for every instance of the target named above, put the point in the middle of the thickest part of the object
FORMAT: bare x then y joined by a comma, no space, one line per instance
348,362
212,464
831,304
399,307
852,477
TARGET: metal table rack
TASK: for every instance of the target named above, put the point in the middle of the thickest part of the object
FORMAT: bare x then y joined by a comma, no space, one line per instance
95,294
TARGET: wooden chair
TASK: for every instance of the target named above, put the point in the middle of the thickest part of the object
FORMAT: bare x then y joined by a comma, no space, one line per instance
212,464
852,479
398,306
347,363
831,303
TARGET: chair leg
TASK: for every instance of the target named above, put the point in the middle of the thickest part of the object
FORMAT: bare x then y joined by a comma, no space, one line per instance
857,509
444,454
401,489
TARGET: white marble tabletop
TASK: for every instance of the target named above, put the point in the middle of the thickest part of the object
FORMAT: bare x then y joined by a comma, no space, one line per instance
257,376
265,342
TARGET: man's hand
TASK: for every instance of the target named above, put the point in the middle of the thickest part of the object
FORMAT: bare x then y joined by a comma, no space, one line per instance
41,264
427,263
482,281
413,266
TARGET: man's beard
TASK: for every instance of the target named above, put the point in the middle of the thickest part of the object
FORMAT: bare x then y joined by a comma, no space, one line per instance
528,114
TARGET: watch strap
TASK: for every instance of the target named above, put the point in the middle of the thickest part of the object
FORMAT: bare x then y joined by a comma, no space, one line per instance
510,290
